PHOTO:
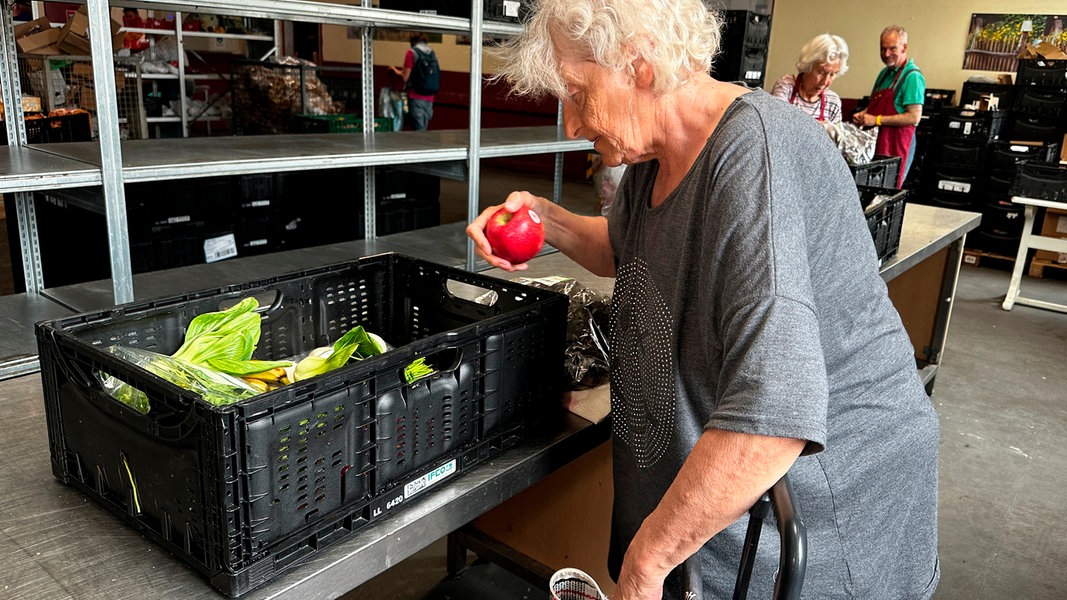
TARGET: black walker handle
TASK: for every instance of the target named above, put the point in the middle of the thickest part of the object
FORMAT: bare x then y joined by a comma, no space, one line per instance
793,558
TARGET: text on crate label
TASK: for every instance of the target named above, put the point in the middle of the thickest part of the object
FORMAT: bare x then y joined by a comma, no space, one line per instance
430,478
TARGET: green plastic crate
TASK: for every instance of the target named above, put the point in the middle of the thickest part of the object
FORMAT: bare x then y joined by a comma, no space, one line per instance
343,123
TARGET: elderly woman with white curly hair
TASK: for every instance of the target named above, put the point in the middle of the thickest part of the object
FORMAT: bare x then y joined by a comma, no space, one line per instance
822,60
751,334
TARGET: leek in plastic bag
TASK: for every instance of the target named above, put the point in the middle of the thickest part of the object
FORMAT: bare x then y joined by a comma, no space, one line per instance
216,388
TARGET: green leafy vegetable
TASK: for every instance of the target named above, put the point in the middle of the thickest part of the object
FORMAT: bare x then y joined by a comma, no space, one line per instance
417,370
354,344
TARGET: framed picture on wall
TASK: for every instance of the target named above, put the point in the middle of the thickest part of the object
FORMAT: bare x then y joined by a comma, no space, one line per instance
995,40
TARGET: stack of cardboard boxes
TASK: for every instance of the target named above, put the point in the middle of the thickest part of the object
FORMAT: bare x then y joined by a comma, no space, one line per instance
39,38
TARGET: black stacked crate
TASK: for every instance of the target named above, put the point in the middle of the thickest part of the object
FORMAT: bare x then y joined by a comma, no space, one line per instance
1035,121
934,102
953,171
743,50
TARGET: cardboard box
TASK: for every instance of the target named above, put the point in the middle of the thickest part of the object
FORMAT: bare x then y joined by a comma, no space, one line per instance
37,37
1042,49
1055,225
75,38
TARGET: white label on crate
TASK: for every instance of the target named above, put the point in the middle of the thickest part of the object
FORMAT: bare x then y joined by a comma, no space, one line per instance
258,203
967,128
954,186
437,475
254,243
178,219
218,248
511,9
753,74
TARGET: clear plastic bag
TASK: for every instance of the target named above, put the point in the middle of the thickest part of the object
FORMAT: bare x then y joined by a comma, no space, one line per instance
214,387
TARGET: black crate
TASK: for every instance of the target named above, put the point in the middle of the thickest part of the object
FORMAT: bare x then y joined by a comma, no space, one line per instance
1002,219
957,153
1000,245
1041,102
953,188
884,209
244,492
76,127
970,124
1040,180
973,91
938,98
1036,129
1041,72
882,172
1003,156
745,28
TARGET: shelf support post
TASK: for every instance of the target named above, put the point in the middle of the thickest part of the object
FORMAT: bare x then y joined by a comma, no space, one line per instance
366,75
473,160
25,212
110,149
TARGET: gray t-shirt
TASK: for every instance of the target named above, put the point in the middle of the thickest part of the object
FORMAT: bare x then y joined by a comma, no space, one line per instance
750,301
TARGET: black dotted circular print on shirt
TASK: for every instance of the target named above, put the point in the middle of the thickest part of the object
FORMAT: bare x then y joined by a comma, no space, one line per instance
642,392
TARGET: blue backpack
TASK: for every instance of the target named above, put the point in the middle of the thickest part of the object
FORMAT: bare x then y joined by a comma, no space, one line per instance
425,77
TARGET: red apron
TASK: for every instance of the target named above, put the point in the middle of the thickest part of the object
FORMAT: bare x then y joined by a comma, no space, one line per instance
822,99
892,141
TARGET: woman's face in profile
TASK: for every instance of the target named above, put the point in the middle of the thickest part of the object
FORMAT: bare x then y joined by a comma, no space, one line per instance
598,105
822,74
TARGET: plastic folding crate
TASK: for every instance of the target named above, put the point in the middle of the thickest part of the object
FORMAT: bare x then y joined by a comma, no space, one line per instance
1041,72
971,124
938,98
881,172
974,90
1037,129
1003,156
884,209
1040,180
1040,102
343,123
246,491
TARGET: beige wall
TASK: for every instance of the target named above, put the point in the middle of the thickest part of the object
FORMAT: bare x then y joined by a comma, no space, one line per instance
937,31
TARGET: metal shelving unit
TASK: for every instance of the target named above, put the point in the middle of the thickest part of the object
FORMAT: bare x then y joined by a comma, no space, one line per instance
110,162
181,78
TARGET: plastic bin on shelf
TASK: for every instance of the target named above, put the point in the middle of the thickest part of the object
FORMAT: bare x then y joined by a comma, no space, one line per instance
246,491
884,209
342,123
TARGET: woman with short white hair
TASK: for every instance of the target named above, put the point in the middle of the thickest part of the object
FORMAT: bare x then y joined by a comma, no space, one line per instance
750,331
822,60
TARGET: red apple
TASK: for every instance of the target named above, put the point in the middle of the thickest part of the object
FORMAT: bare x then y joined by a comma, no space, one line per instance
515,237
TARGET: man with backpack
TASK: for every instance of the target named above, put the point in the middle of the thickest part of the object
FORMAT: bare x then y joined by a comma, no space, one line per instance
422,79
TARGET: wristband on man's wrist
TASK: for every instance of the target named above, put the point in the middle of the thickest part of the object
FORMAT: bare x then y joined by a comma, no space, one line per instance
878,120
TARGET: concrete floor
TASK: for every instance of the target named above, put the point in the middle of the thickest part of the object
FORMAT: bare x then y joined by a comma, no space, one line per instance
1002,396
